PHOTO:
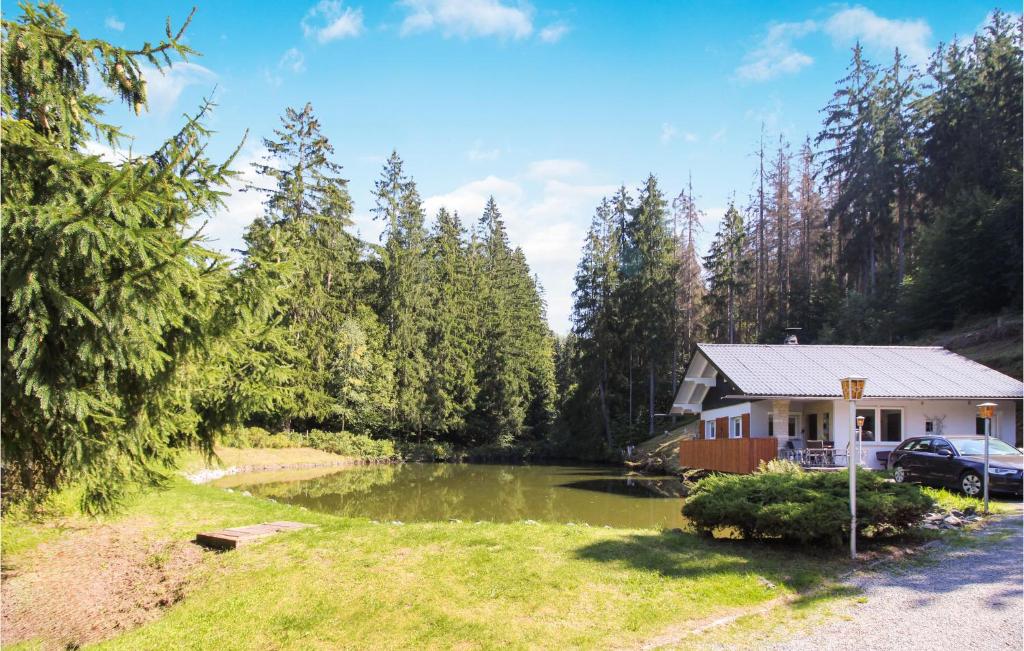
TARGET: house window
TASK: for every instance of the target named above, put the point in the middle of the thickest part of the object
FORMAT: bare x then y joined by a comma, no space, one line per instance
771,425
709,429
794,424
929,426
890,422
736,427
868,431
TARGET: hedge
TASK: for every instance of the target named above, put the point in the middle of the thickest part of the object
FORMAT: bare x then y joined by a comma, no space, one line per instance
782,502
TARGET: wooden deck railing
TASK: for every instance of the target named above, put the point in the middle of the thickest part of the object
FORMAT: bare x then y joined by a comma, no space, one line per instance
727,455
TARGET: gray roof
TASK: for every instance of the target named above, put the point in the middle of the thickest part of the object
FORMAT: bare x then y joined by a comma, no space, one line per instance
891,371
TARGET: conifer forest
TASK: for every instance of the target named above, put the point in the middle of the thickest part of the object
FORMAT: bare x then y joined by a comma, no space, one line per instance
127,338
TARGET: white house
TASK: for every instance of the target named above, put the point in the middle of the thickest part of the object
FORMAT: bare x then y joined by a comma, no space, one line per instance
792,393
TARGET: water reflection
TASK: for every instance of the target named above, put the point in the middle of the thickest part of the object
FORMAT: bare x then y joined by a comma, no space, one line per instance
500,493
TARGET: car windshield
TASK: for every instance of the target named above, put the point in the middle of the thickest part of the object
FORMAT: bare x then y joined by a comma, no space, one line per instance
972,447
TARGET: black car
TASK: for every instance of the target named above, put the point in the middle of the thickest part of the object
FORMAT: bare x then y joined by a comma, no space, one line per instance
958,462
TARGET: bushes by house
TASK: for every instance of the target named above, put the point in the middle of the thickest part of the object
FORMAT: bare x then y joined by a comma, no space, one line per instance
782,502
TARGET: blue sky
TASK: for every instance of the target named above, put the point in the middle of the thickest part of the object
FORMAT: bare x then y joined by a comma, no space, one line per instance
547,105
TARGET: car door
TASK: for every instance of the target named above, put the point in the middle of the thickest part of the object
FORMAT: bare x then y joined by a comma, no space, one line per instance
942,466
910,457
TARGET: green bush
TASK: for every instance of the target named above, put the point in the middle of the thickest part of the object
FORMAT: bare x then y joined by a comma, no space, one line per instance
350,445
256,437
429,451
782,502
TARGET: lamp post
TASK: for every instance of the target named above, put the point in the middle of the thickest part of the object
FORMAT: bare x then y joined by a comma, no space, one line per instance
985,411
853,390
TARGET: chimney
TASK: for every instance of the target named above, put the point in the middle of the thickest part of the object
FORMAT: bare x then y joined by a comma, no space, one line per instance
791,339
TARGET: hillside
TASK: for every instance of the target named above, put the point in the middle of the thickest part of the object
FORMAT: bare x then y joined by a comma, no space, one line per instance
996,342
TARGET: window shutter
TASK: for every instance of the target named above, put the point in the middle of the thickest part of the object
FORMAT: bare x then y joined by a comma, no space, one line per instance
746,426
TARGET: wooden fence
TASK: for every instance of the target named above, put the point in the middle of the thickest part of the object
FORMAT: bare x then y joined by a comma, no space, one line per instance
727,455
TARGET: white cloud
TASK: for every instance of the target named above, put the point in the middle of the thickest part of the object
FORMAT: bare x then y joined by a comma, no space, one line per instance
326,21
668,133
225,229
163,88
912,37
545,215
292,60
113,23
555,168
468,18
718,135
106,153
553,33
690,137
775,55
478,153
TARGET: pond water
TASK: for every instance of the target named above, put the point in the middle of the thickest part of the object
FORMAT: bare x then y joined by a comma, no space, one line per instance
415,492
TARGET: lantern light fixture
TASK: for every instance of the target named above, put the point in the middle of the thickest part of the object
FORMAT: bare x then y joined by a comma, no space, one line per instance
853,387
860,422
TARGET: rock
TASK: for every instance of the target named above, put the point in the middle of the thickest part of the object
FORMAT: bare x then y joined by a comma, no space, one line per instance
246,494
929,525
454,520
397,523
970,510
957,513
529,522
952,521
766,583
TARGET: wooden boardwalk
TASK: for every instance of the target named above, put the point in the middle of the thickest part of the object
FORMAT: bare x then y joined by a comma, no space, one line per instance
237,536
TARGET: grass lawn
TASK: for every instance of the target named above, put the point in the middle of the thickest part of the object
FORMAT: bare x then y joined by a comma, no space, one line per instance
353,583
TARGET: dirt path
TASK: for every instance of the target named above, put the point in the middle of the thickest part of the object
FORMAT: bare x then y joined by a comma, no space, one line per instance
968,598
92,584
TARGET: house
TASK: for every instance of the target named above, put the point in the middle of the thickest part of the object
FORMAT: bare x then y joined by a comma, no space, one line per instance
756,400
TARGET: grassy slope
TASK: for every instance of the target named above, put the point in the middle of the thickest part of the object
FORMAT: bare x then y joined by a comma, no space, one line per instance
358,584
229,457
995,342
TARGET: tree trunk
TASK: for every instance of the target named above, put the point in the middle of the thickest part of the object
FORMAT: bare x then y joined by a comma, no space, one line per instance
604,405
650,399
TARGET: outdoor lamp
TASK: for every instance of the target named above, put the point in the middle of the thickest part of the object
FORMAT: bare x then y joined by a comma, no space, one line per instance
986,410
853,390
853,387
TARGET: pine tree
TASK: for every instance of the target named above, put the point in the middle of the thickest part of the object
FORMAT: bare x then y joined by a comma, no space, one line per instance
728,268
404,289
648,288
107,291
307,214
452,336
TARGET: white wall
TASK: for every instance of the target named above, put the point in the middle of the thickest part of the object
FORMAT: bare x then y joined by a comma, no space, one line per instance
957,419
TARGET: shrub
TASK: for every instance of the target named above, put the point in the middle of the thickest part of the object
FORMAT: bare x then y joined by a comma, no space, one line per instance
350,445
785,503
256,437
429,451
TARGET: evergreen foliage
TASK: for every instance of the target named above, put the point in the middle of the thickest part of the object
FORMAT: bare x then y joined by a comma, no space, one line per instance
108,294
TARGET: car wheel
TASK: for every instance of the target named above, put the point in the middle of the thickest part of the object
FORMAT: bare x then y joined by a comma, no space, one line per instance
970,483
899,474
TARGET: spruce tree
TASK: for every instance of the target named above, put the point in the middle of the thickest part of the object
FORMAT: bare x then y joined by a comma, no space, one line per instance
107,291
728,268
452,334
404,290
648,289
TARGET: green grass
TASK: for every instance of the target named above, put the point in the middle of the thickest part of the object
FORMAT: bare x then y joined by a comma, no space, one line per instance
356,584
949,500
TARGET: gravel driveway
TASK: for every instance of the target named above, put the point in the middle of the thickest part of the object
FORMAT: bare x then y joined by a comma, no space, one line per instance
969,599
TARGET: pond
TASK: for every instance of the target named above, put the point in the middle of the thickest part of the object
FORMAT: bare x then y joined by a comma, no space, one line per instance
417,492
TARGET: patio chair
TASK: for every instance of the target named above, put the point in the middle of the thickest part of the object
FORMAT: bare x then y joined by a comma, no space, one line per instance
815,453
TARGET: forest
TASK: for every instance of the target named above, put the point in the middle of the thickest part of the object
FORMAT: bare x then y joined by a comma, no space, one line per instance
127,338
901,216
